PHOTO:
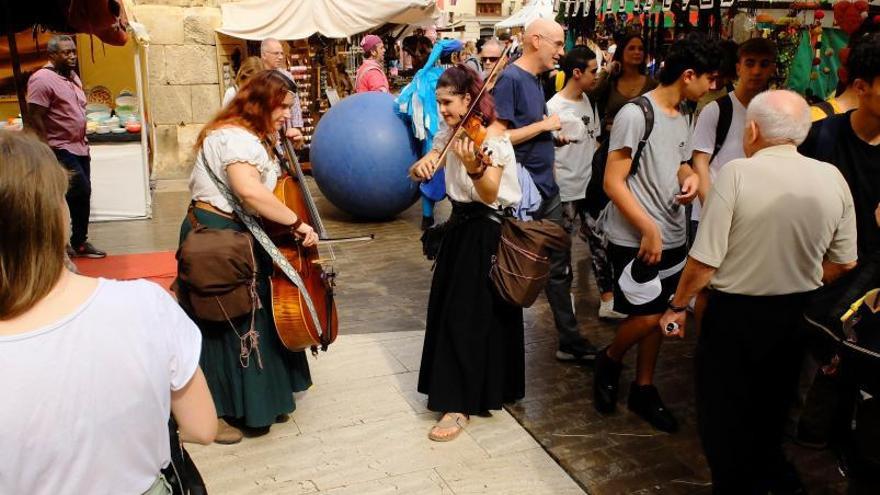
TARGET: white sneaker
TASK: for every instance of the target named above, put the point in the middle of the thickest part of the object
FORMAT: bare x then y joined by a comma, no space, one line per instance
606,311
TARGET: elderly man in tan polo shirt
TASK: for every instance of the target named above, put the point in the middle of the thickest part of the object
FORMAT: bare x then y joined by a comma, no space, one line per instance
776,226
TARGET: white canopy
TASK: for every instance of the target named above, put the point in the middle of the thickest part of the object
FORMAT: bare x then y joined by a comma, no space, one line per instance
299,19
536,9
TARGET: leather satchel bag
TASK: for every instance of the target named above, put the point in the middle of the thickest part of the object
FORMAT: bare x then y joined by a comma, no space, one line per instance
521,267
216,273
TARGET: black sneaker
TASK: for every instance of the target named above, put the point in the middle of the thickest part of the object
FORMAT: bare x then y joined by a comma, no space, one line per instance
87,250
645,401
579,352
606,381
427,222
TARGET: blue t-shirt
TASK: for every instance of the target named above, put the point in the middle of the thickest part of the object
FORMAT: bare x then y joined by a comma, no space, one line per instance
519,99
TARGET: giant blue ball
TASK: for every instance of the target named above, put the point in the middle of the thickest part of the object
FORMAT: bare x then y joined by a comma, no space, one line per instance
361,152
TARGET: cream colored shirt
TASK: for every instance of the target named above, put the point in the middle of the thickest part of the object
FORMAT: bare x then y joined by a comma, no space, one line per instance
460,187
771,220
222,148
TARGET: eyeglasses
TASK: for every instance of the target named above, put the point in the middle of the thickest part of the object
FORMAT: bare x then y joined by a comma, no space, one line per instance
490,59
559,44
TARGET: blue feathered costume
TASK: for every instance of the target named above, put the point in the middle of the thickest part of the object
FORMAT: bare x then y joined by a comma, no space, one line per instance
418,103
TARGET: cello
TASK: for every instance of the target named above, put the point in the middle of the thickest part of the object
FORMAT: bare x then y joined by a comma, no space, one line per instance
296,328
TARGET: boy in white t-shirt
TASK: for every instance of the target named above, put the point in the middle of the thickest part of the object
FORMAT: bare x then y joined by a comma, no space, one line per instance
755,65
572,163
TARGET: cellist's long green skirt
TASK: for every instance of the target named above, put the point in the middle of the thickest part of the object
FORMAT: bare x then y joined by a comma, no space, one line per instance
240,387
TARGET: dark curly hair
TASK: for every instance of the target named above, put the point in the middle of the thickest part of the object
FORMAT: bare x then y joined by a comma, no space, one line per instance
462,80
696,51
864,60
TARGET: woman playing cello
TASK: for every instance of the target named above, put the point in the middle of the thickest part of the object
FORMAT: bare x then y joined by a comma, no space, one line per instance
473,356
251,376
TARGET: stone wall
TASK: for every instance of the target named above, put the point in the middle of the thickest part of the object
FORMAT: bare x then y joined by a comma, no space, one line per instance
183,85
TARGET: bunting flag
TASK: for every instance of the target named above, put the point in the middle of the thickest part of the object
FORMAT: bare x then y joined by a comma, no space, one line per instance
570,7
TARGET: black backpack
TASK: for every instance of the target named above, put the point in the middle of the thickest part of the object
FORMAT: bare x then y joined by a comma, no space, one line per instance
725,117
596,199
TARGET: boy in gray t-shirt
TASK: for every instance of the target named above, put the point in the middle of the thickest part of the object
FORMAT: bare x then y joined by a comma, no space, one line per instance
645,222
656,185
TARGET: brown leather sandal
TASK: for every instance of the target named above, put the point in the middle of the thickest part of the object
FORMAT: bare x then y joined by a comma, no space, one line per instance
449,420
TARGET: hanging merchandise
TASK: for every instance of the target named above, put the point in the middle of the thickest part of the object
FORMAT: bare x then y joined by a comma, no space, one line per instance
814,70
849,15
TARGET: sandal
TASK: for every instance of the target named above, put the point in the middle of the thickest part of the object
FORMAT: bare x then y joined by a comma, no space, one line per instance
449,420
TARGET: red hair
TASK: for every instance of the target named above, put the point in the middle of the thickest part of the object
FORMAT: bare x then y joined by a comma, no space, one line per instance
252,106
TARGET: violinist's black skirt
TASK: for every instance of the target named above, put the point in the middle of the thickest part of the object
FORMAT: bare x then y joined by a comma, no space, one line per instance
473,359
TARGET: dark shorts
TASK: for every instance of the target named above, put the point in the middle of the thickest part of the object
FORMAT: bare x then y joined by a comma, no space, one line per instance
620,256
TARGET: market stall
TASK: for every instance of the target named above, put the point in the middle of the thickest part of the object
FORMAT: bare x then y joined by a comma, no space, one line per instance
535,9
113,76
810,35
322,39
113,79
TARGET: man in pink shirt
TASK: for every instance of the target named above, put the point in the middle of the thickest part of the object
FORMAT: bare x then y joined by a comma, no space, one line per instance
57,106
370,75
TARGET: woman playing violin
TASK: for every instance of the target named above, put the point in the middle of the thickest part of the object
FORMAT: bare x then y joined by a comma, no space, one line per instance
473,358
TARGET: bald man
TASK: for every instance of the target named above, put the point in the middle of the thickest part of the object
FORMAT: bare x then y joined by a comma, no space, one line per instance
522,112
776,226
272,55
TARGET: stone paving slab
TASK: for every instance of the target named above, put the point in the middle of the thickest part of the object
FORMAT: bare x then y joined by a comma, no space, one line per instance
362,428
